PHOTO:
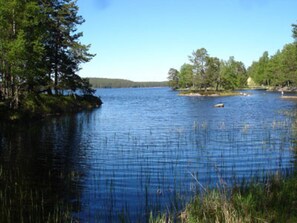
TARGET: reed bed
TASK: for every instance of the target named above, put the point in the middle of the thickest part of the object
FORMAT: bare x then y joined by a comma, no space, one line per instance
20,202
274,200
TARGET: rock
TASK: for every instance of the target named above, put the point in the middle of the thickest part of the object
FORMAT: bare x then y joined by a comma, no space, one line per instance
244,94
220,105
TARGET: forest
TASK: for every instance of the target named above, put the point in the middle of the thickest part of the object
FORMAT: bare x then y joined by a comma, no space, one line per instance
122,83
205,72
40,50
278,70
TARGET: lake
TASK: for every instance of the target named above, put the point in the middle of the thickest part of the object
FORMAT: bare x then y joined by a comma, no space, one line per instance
145,150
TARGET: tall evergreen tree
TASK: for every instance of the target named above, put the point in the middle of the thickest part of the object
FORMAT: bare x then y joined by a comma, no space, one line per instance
64,51
294,31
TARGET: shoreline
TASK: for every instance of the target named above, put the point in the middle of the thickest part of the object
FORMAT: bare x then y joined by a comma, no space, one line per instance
36,107
289,97
210,94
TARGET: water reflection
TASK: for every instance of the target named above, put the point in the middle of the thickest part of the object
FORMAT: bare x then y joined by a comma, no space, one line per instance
41,168
143,151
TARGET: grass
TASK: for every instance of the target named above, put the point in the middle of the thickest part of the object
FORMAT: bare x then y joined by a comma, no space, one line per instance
272,201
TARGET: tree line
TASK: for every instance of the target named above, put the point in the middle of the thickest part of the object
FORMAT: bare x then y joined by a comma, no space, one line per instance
40,49
278,70
206,72
122,83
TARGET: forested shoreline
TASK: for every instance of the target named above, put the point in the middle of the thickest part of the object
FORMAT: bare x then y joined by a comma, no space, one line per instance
122,83
40,51
204,72
278,70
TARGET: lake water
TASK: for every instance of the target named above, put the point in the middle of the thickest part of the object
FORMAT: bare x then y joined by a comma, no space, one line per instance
146,150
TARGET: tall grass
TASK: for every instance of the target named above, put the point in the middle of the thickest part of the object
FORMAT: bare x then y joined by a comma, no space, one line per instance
22,203
274,201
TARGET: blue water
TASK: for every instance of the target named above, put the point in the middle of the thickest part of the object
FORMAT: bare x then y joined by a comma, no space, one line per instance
149,150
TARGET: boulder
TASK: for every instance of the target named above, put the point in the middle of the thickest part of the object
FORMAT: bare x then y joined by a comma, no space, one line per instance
220,105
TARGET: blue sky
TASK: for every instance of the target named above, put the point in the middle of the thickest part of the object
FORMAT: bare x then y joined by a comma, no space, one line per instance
141,40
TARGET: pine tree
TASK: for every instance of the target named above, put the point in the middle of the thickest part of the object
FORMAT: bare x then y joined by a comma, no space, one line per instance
294,31
40,48
64,52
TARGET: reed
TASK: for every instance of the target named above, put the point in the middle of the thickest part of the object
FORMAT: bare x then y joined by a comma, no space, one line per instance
20,202
166,170
275,200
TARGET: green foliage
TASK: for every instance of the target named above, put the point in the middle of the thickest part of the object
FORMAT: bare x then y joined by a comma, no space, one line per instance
209,73
280,69
40,49
259,71
213,73
289,64
186,76
198,60
233,74
64,52
173,78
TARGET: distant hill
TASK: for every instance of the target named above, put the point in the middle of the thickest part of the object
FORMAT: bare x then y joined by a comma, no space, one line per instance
122,83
